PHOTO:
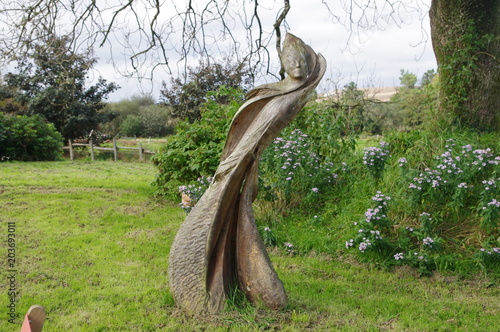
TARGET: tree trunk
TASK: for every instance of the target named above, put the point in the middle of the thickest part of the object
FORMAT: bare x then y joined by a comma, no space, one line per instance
466,41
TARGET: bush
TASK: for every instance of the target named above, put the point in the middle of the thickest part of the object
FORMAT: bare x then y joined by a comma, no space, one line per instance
447,214
375,158
194,151
131,126
154,121
293,174
29,138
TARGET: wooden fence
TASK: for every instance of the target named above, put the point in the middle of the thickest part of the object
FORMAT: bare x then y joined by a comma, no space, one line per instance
115,149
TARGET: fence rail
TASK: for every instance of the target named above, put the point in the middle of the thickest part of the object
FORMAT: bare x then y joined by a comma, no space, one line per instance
115,149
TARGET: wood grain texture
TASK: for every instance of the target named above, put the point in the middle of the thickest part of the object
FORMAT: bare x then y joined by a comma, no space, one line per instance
218,246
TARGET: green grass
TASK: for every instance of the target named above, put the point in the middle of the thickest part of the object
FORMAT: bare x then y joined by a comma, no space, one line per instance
92,248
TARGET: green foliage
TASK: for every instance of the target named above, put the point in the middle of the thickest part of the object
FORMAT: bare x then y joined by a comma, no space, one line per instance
314,184
155,121
131,126
330,129
415,107
294,175
185,96
427,77
375,158
51,81
456,199
407,79
193,192
8,102
138,116
195,149
28,138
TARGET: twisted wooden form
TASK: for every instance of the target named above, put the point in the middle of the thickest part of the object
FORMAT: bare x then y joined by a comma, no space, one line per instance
218,245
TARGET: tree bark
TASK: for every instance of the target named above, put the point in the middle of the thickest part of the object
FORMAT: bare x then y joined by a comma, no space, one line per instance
466,41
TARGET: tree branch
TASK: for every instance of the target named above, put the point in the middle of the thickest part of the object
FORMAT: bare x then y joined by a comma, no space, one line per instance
277,29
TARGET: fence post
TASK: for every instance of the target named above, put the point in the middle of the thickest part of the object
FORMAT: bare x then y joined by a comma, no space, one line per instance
141,158
92,150
71,156
115,149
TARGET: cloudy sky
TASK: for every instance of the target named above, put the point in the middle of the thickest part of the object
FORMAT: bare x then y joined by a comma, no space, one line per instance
371,57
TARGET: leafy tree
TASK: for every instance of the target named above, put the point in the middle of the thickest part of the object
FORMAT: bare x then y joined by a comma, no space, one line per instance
416,106
427,77
155,121
186,96
51,81
407,79
8,102
352,102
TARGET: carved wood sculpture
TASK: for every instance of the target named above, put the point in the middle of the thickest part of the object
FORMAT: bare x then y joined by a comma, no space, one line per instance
218,245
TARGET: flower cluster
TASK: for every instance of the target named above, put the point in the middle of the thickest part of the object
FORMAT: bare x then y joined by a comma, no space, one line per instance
364,245
456,179
489,184
369,234
492,251
268,236
375,159
295,154
493,203
428,241
458,182
381,198
456,167
399,256
413,258
192,193
490,204
488,256
378,215
292,170
419,247
430,178
290,248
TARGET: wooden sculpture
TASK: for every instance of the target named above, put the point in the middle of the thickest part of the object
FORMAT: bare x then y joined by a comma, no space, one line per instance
218,245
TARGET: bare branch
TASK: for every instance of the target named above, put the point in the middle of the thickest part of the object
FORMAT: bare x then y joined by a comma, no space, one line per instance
152,33
277,29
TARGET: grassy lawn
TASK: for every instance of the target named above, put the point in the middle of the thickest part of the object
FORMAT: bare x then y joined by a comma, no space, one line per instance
92,247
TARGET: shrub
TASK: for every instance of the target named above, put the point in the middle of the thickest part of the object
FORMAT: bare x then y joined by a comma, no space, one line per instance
446,213
29,138
375,159
194,151
329,130
459,178
293,174
154,121
131,126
